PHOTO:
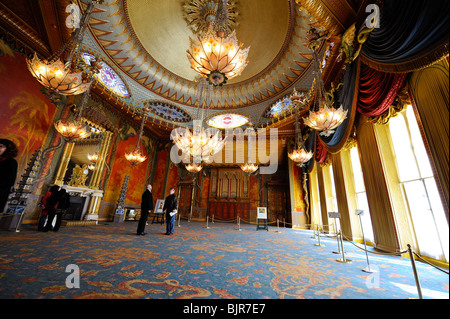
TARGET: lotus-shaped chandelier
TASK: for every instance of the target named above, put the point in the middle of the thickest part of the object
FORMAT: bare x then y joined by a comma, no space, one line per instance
249,168
137,156
200,144
324,117
72,130
76,128
217,55
193,168
299,153
69,77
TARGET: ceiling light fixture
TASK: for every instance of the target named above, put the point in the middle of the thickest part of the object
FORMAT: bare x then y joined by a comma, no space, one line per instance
217,55
323,117
67,78
137,156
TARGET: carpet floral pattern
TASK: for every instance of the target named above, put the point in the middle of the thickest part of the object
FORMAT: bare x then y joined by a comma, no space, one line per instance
220,262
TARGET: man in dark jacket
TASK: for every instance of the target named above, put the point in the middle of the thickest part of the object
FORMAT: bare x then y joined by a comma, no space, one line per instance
170,206
146,207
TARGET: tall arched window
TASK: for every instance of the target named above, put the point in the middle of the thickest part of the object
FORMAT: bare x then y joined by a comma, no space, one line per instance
360,192
421,195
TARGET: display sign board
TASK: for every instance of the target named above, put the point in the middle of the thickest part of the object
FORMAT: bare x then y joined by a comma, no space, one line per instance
261,212
334,215
159,206
359,212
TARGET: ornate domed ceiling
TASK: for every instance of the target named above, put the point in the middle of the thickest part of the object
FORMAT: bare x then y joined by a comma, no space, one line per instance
143,44
147,41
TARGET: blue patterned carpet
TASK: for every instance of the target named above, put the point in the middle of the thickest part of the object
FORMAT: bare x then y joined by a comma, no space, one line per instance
220,262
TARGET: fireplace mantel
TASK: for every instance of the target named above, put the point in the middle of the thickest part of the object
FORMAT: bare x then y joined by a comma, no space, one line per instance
92,197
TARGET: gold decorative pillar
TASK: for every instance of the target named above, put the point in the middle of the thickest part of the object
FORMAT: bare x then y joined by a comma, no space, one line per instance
382,213
65,158
100,165
94,205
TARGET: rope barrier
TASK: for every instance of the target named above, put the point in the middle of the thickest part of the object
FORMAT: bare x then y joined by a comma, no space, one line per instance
413,263
438,268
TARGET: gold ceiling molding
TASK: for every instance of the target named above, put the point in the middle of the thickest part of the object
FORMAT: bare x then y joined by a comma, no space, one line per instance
194,14
320,11
290,64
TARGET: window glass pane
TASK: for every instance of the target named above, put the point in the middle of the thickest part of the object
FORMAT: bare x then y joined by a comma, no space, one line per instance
406,163
424,226
357,170
333,190
418,145
438,214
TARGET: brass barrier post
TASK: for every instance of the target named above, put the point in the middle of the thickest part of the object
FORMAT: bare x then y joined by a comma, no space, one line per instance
343,259
318,236
416,276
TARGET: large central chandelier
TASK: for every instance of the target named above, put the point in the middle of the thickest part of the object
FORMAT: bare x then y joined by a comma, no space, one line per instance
67,78
202,143
217,55
324,117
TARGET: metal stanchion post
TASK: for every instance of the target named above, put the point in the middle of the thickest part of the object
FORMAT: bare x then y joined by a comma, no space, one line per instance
278,226
179,217
335,215
19,222
314,231
318,236
343,259
239,223
207,222
212,221
416,276
360,212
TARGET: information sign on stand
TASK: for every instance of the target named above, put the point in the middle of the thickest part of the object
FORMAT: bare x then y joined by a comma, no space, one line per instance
261,218
336,215
360,212
158,217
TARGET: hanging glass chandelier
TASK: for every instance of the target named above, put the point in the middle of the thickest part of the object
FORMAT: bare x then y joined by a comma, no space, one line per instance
249,168
76,128
137,156
217,55
67,78
324,117
193,168
202,143
93,157
299,153
72,130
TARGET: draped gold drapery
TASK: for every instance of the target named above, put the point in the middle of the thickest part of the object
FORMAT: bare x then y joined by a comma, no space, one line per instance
429,89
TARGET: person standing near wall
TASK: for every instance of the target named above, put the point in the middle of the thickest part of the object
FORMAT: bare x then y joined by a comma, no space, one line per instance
8,170
146,207
170,206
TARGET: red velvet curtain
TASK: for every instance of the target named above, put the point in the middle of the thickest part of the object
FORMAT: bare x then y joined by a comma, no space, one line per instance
377,90
321,152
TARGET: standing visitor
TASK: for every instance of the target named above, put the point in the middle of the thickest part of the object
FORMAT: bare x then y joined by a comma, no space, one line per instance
170,206
63,206
49,204
146,207
8,170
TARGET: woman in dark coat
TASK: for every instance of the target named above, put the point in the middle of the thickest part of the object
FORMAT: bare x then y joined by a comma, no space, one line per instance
8,170
48,204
